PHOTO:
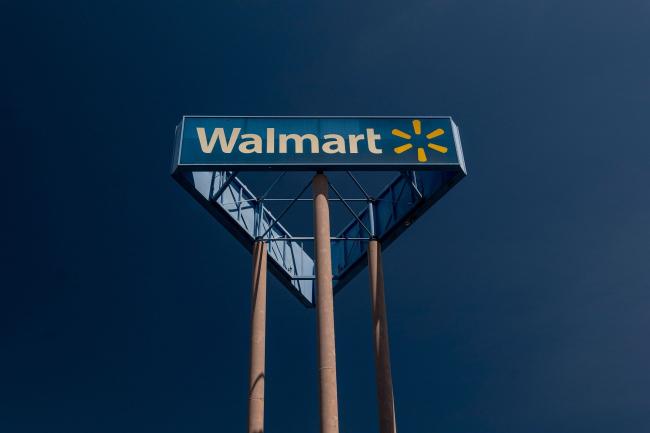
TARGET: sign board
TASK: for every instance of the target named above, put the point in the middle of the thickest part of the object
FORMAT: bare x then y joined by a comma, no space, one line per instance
210,152
313,143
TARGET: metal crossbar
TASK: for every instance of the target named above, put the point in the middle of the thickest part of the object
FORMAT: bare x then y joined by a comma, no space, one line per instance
311,238
311,199
349,208
359,185
286,209
277,179
413,182
225,185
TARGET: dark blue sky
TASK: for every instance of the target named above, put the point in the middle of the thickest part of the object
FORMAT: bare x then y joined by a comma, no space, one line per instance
519,303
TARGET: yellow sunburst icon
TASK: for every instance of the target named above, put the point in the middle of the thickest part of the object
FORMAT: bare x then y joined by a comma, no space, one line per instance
417,129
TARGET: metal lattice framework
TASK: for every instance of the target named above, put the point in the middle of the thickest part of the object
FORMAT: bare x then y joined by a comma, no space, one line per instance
384,217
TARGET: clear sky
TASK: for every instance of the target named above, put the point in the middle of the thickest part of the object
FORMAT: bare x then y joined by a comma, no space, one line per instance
518,304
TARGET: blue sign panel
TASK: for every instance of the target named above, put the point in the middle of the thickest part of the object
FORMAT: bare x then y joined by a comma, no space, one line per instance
312,143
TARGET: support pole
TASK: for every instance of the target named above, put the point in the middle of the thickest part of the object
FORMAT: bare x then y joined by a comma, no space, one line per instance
380,336
258,340
329,412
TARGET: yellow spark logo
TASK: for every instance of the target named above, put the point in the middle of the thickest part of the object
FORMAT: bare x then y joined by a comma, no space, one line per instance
417,128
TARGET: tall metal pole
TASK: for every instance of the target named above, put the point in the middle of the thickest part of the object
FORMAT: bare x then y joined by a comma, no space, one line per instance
380,333
329,412
258,340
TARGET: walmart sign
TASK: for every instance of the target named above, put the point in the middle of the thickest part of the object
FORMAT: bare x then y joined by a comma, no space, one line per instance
306,143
